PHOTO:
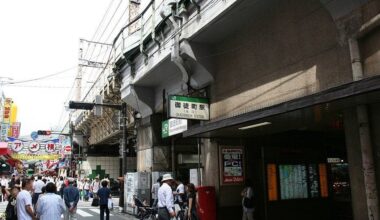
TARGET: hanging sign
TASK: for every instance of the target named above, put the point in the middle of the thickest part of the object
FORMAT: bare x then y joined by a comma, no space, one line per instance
189,107
17,145
232,165
173,126
36,156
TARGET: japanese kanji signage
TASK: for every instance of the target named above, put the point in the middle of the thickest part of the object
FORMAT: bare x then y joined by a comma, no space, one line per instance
173,126
232,165
7,111
189,107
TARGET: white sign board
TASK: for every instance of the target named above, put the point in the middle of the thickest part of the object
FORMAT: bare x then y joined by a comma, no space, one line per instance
189,107
173,126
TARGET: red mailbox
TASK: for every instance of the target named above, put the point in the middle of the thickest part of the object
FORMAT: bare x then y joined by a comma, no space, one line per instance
206,203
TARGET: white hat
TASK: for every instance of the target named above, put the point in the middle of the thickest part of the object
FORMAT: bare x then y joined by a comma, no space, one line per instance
167,176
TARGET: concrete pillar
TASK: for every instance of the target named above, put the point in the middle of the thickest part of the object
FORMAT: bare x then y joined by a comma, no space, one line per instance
210,160
354,155
374,110
152,153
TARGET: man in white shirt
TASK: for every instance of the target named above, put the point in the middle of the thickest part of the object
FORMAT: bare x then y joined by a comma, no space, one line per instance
165,199
4,185
179,193
37,188
95,186
24,201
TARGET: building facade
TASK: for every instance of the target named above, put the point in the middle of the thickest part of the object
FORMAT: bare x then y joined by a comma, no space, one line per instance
293,88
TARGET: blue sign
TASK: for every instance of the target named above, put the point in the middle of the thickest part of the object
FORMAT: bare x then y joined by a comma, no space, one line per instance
34,135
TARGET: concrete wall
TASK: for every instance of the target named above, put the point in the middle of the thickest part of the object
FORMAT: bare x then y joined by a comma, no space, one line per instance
370,51
288,50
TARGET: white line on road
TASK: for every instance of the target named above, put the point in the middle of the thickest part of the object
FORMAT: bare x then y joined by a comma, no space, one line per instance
83,213
98,211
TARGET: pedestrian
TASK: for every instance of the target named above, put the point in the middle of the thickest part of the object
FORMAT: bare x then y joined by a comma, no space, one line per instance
191,201
80,188
60,186
165,198
104,194
12,183
71,197
37,188
86,188
24,201
179,193
50,206
95,187
154,191
4,185
247,201
10,211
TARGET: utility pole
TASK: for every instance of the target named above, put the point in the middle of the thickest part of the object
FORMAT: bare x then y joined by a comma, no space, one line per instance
78,79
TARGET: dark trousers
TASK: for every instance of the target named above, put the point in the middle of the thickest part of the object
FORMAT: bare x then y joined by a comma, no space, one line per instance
102,209
163,214
35,198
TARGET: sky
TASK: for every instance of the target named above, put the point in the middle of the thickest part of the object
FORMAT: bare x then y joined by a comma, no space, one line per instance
39,38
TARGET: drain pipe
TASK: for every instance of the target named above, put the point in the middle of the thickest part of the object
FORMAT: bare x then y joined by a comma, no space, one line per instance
365,138
175,56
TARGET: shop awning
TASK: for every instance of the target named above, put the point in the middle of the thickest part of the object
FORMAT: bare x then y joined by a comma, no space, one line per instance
347,93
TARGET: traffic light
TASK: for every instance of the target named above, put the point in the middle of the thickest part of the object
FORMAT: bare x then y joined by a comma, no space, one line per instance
47,133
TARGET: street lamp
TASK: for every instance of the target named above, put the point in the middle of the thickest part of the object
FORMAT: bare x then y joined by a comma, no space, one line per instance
121,107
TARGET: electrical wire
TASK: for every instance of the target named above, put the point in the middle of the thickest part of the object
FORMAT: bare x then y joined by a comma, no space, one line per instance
109,22
100,23
42,77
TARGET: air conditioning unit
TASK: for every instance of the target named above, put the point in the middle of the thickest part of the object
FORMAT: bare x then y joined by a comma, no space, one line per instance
187,158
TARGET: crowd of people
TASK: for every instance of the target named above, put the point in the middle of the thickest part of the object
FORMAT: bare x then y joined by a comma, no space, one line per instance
48,198
167,192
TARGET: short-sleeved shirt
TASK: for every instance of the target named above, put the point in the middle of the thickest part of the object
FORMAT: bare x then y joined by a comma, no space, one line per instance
23,199
180,189
37,186
104,193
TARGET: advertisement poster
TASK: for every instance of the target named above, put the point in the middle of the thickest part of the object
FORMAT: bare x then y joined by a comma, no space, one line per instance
232,165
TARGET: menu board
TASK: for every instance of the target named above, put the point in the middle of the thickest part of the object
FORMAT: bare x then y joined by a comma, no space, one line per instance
293,181
232,165
313,180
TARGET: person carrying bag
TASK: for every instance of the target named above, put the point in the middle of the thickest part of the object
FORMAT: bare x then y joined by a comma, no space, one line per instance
247,201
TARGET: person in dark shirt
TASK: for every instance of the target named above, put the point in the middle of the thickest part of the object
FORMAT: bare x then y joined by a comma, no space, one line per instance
191,196
71,198
104,194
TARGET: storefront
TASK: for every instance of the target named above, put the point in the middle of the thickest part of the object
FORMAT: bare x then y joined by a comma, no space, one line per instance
300,155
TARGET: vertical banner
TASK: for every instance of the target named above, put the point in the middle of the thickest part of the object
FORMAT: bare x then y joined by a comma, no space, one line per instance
15,129
323,180
272,182
4,131
232,164
7,111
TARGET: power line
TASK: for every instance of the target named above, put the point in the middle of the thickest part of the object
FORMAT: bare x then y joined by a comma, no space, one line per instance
118,21
100,23
43,77
113,15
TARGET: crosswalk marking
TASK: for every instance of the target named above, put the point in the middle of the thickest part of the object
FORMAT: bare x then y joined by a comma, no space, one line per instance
83,213
98,211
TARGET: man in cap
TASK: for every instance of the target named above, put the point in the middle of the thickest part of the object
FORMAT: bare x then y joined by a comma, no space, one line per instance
71,198
165,199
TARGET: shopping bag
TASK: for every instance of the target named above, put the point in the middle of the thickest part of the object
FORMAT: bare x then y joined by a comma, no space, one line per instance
110,204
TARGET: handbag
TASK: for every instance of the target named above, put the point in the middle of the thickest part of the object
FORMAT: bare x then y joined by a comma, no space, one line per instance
110,204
